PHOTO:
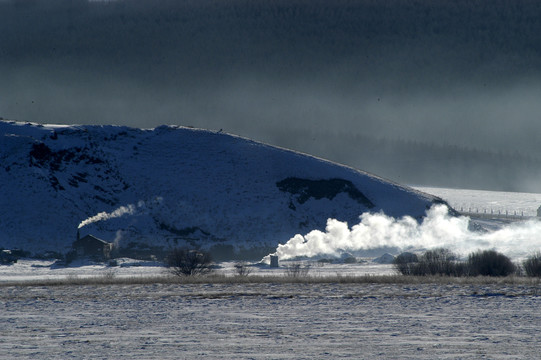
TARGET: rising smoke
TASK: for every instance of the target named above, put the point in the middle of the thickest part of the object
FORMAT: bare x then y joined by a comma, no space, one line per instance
131,209
438,229
123,210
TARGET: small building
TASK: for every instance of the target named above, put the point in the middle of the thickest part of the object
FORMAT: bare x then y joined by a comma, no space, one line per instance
92,247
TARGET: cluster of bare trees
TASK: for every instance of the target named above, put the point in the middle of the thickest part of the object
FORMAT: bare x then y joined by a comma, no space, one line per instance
480,263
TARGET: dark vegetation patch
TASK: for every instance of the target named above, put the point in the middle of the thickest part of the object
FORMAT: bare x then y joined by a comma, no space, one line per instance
42,155
532,265
60,161
190,234
113,201
443,262
490,263
185,262
80,177
304,189
187,231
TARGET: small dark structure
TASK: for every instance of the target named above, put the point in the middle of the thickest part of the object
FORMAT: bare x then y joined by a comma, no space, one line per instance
92,247
273,261
7,257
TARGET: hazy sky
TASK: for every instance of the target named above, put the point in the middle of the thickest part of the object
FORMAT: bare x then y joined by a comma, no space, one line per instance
282,71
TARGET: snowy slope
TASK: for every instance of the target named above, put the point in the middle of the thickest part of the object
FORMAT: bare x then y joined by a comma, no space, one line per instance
174,186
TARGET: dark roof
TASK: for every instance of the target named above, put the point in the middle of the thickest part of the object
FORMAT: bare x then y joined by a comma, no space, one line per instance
91,238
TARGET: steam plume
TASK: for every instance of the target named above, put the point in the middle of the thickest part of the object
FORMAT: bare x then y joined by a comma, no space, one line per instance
438,229
121,211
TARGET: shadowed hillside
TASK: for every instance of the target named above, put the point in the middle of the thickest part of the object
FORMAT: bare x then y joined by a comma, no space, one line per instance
175,186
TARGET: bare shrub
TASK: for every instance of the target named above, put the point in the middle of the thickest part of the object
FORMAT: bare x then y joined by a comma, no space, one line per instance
490,263
184,262
109,275
532,265
242,268
443,262
439,261
405,263
297,270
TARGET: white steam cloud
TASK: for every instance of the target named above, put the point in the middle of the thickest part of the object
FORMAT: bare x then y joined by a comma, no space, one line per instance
121,211
438,229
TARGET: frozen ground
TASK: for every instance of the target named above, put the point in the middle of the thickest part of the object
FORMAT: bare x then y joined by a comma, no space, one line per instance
270,321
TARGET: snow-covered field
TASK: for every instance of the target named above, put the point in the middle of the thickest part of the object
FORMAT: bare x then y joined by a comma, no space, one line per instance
36,270
484,201
267,321
270,321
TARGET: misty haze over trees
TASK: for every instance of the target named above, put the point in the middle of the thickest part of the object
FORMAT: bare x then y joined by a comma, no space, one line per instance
422,92
415,162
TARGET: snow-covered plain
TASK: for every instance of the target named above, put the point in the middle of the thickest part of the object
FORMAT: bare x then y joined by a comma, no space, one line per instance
26,270
484,201
263,321
270,321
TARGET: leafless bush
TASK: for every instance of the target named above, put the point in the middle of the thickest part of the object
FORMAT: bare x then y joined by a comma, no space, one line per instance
439,262
405,263
184,262
490,263
297,270
433,262
242,268
442,262
532,265
109,275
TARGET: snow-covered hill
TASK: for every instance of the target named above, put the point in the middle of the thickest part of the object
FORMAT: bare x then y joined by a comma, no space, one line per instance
174,186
